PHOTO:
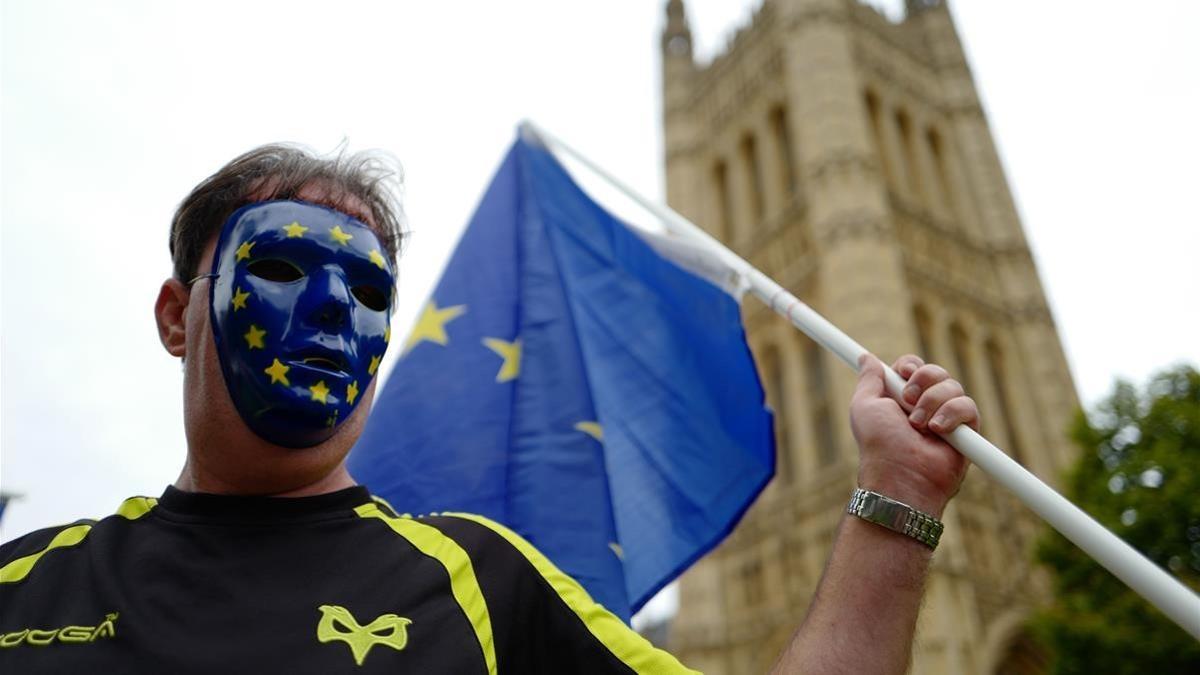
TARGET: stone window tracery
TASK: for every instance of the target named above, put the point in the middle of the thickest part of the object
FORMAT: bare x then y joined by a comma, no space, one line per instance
748,150
720,177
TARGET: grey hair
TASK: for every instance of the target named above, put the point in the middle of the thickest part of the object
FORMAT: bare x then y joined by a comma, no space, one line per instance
280,171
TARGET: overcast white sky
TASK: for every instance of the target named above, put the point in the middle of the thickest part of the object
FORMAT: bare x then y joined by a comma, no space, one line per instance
112,111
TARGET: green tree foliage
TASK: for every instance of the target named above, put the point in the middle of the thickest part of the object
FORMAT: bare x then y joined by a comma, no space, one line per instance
1139,475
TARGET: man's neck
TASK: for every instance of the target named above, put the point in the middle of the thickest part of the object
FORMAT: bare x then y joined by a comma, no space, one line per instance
194,479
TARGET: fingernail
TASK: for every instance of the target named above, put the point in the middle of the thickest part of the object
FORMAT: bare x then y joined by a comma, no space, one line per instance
938,421
917,416
911,392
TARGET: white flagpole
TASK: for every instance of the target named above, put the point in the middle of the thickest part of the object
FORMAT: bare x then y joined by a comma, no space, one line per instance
1161,589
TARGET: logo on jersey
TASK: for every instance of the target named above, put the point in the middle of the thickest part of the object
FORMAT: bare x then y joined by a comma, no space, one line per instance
66,635
338,624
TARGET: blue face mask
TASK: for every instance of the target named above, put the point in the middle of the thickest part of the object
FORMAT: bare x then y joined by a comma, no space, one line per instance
301,303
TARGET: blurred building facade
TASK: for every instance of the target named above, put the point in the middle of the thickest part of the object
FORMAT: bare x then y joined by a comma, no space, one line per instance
848,157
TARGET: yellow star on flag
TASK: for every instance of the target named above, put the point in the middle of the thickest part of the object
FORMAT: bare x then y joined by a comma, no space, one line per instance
295,230
243,251
278,373
377,258
319,391
591,429
239,299
616,548
254,337
432,325
339,236
352,392
511,353
387,333
374,365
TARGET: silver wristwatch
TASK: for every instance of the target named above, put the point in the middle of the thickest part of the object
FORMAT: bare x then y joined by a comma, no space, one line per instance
896,516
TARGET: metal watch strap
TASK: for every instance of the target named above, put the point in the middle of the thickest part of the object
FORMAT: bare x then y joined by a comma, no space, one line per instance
896,516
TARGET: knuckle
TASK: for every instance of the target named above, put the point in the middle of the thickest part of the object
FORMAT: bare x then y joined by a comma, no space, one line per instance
962,407
953,385
938,394
930,374
909,362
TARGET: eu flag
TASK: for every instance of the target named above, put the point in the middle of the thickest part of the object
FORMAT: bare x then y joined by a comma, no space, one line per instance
567,381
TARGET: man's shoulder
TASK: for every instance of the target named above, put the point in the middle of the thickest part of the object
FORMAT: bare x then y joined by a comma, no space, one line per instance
40,539
18,556
474,534
487,552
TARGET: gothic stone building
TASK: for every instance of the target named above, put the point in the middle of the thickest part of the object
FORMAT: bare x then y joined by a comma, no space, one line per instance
849,158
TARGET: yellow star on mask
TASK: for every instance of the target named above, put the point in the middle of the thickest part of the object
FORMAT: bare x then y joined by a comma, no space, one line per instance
319,391
295,230
374,365
352,392
339,236
278,373
239,299
511,353
377,258
254,337
432,325
591,429
243,251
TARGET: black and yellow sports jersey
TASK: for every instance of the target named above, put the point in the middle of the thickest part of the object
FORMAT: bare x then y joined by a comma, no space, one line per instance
199,583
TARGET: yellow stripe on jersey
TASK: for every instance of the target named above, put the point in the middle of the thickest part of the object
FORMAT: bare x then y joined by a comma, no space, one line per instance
632,649
136,507
20,568
463,583
131,509
381,500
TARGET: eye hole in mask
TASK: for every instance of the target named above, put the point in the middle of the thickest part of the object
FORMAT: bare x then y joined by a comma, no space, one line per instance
371,297
274,269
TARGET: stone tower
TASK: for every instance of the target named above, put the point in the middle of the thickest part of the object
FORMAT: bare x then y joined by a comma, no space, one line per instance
849,158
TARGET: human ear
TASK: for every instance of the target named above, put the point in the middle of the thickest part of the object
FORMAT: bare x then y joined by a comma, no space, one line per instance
170,312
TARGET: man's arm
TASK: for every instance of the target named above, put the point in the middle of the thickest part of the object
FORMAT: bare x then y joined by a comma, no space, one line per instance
864,613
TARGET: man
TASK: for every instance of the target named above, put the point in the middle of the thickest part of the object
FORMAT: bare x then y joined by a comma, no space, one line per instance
265,556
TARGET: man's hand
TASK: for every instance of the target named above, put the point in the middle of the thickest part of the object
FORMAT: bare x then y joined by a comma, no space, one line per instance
901,455
864,614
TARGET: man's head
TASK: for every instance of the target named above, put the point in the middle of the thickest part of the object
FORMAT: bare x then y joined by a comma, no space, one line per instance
279,306
362,185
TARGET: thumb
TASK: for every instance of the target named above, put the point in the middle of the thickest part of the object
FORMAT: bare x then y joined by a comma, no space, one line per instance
870,378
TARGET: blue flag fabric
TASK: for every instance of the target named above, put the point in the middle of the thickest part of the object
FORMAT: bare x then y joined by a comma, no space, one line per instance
568,382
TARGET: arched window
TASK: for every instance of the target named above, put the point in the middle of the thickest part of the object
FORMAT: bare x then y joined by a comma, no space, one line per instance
720,176
818,395
937,150
961,346
999,375
753,589
773,381
924,326
912,167
885,160
748,149
1024,655
783,142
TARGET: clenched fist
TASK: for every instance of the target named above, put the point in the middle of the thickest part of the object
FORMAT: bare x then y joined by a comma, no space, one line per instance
901,454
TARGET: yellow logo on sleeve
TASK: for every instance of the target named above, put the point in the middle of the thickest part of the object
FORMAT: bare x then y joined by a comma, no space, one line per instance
338,624
66,634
